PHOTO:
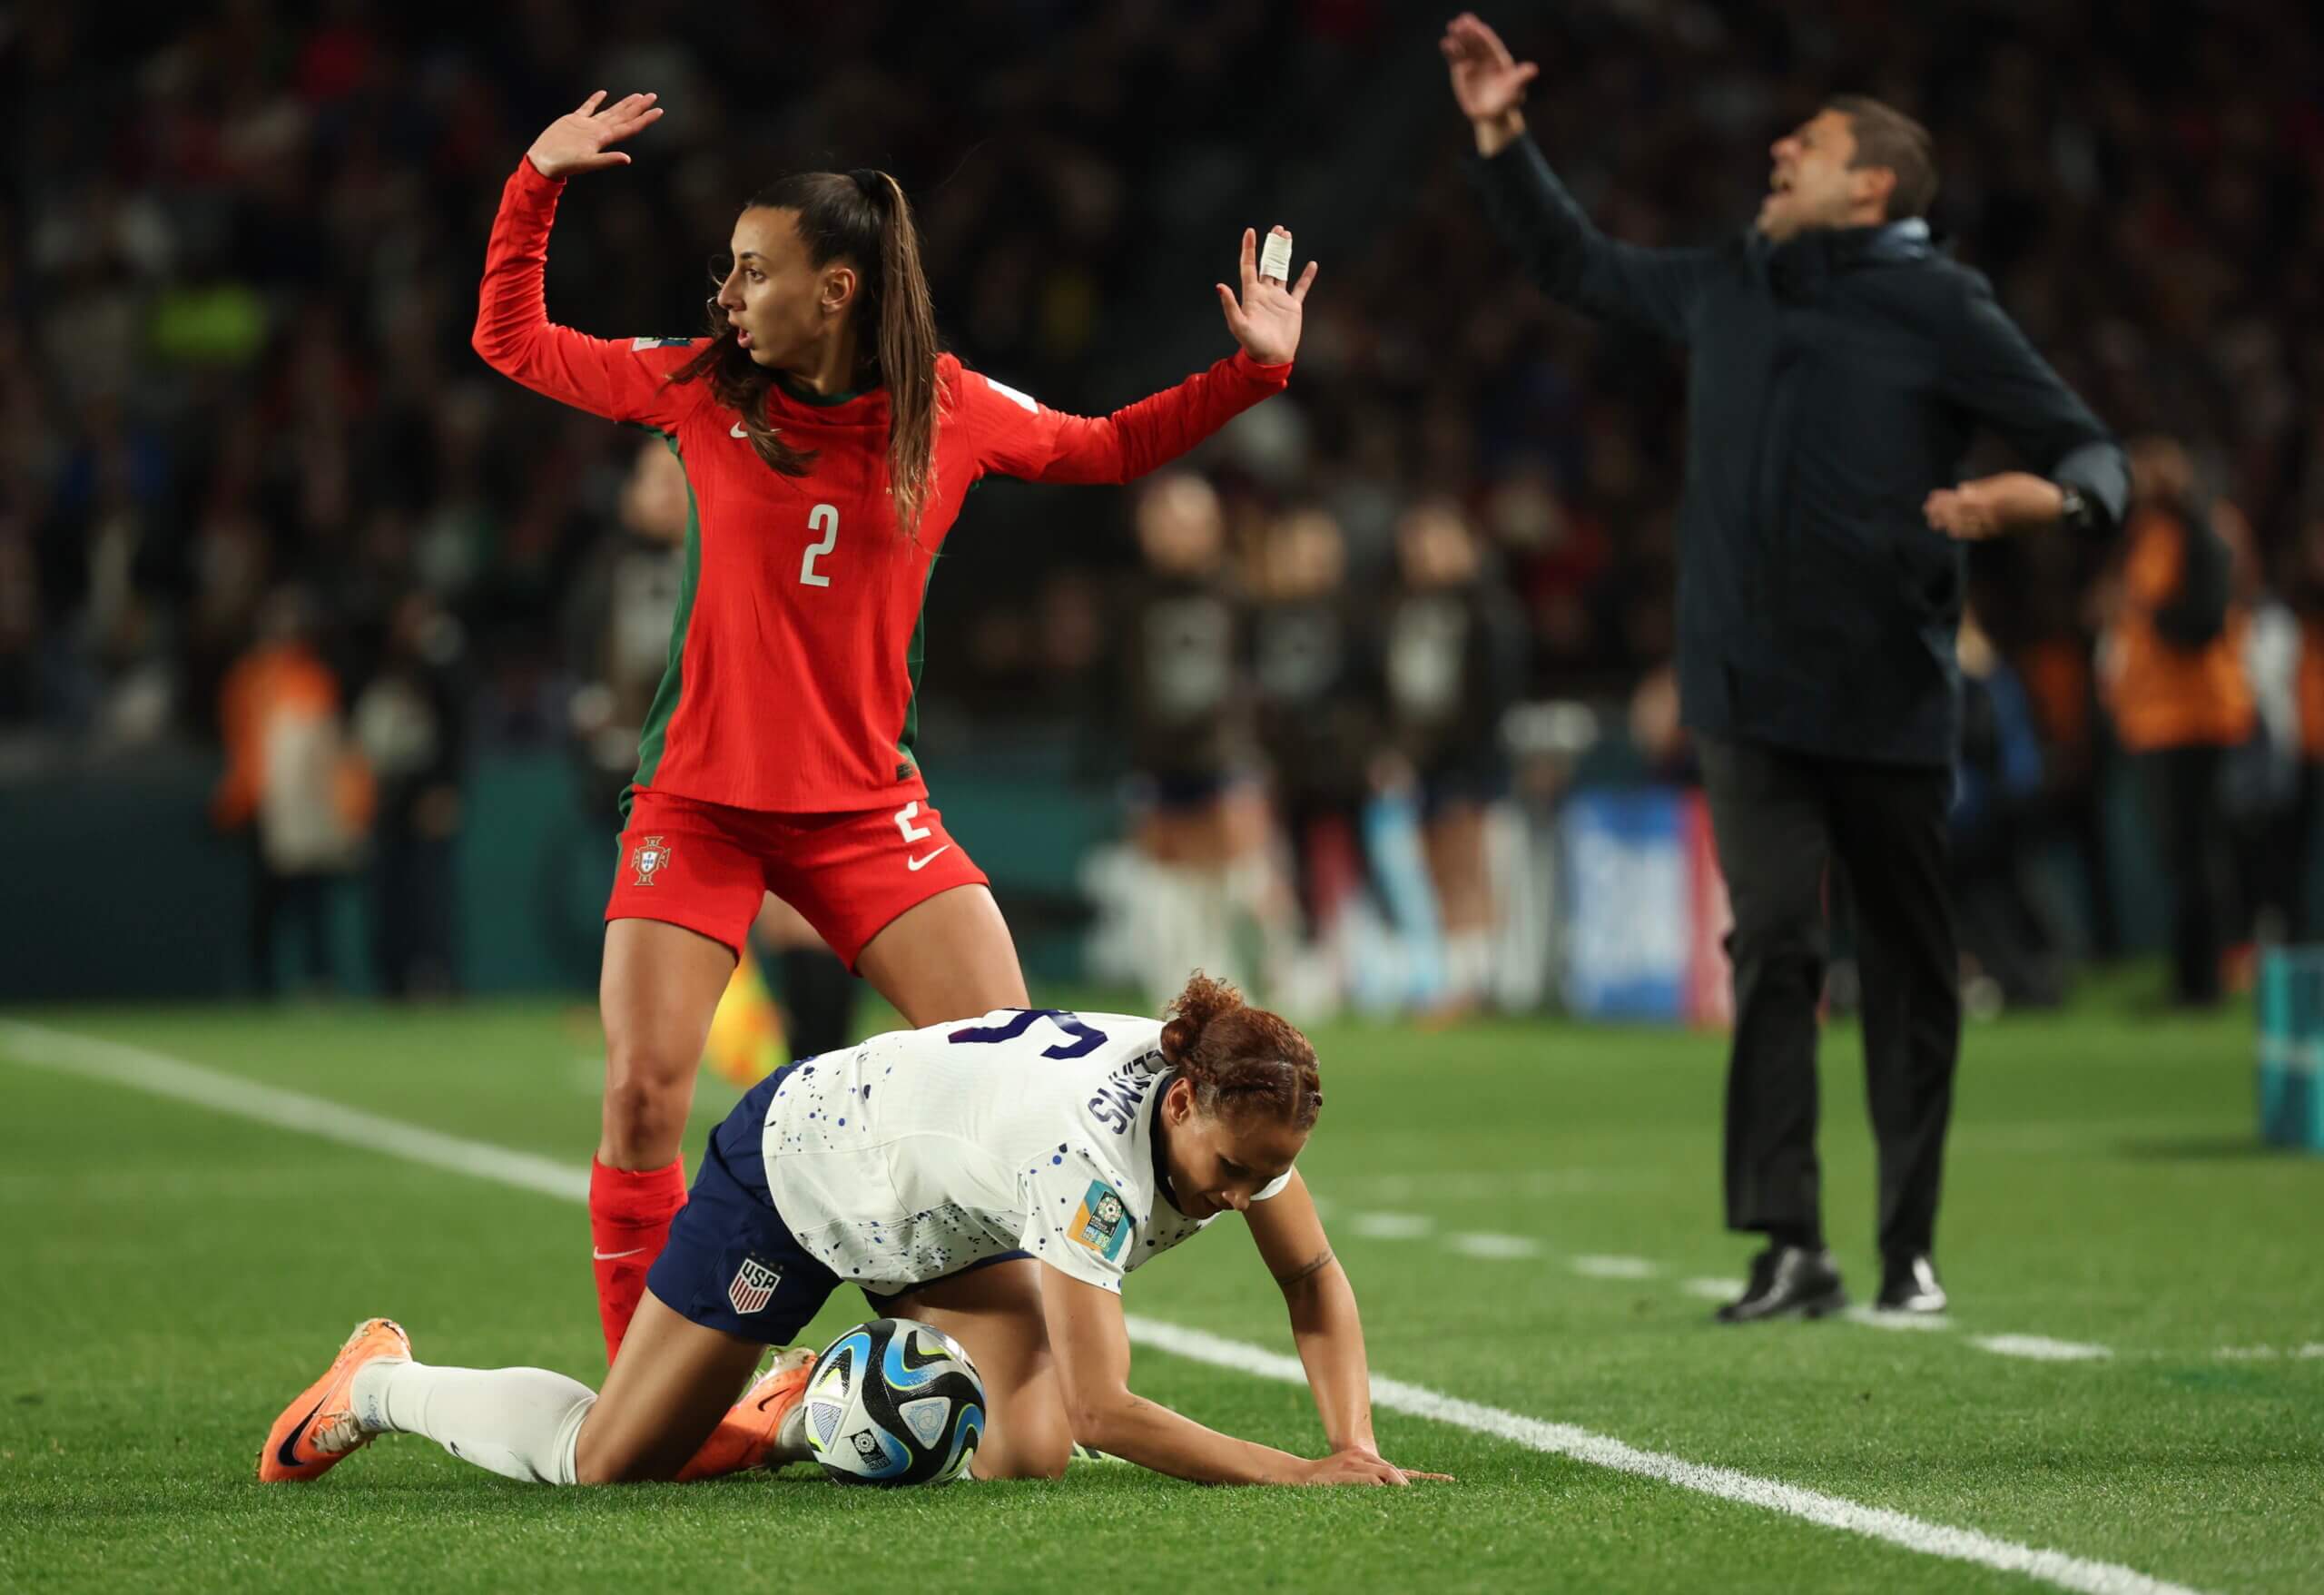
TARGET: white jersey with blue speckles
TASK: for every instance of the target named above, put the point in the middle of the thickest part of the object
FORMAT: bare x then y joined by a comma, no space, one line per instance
923,1152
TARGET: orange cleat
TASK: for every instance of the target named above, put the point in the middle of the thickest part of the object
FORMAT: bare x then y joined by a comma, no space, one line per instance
320,1428
747,1436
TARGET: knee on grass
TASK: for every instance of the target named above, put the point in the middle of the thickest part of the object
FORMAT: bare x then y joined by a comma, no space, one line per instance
614,1463
991,1467
1040,1453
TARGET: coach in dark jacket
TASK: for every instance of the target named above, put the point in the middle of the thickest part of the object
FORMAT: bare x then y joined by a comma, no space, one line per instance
1839,364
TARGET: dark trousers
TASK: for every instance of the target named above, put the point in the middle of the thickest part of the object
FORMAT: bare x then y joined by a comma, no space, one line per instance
296,902
1781,820
2190,812
412,901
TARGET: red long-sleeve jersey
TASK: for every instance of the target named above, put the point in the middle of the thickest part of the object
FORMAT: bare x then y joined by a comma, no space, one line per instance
795,654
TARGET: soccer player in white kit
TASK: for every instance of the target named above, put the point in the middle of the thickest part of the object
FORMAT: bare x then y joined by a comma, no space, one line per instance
996,1179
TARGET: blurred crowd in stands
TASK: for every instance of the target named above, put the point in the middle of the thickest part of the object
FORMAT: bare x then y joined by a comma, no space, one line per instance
251,468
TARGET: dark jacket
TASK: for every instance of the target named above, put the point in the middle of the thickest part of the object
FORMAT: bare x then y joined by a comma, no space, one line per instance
1835,382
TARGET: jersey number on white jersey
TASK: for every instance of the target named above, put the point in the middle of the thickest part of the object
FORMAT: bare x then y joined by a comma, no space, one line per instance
1086,1037
824,518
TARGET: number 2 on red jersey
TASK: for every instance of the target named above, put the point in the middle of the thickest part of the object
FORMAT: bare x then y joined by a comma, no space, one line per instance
824,518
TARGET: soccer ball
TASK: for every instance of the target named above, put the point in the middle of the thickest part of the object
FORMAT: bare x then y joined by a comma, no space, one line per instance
894,1402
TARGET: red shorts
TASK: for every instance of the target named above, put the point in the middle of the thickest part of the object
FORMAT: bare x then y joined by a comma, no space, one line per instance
704,867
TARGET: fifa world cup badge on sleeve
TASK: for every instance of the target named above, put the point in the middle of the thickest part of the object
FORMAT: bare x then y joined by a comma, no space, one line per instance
648,859
1101,1223
753,1287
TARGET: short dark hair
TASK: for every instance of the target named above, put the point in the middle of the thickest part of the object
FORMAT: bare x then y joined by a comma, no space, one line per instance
1886,136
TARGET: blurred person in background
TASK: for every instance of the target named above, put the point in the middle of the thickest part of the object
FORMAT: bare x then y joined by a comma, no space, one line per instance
293,784
2263,773
1199,815
1317,727
1451,660
410,723
2304,590
617,622
2010,949
19,626
827,445
2176,687
1838,366
2054,652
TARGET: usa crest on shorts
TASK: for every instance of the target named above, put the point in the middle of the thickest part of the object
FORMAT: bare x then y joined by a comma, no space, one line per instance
647,859
753,1287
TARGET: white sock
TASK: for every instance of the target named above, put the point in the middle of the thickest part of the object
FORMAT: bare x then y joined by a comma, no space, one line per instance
1468,962
521,1423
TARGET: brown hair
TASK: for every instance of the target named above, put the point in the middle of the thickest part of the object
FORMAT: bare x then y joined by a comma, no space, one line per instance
1241,1060
863,217
1886,137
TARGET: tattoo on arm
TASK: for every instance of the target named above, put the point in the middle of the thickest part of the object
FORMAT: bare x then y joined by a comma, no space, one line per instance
1314,1265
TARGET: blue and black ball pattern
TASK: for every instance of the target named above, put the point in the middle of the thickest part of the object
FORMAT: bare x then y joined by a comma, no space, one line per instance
894,1402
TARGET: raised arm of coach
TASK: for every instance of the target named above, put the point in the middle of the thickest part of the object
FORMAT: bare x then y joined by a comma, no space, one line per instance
1838,365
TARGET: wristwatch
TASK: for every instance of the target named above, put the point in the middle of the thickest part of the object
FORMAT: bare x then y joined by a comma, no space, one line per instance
2075,508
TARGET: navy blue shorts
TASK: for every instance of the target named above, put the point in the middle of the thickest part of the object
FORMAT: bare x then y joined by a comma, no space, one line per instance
731,1262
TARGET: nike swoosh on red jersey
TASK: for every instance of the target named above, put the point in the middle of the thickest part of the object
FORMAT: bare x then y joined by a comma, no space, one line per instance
916,865
598,1257
736,431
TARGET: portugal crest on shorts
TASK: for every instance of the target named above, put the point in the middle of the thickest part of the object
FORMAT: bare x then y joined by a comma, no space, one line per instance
754,1286
648,859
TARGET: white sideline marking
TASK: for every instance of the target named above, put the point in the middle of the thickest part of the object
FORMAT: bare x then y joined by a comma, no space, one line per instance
125,1065
1833,1511
2268,1354
2040,1347
140,1070
1411,1226
1872,1318
1471,1185
1497,1248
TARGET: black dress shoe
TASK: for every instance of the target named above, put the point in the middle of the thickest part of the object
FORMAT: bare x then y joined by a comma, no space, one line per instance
1788,1282
1909,1284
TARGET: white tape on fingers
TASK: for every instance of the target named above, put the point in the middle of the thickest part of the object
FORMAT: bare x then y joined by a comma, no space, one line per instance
1275,259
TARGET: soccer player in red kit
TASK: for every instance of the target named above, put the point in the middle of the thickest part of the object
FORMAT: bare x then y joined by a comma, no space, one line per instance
827,444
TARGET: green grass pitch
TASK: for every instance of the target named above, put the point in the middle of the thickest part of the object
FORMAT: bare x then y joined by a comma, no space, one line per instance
172,1274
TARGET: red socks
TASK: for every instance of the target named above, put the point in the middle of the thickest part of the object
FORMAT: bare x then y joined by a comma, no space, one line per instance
629,1218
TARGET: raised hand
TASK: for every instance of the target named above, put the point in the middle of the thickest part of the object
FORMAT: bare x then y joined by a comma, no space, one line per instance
1266,320
1488,82
578,140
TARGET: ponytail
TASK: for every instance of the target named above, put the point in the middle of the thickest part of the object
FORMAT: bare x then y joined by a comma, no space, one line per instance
1241,1060
862,216
907,342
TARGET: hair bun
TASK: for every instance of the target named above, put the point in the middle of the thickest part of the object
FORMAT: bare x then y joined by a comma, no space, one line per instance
1240,1058
1202,1001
